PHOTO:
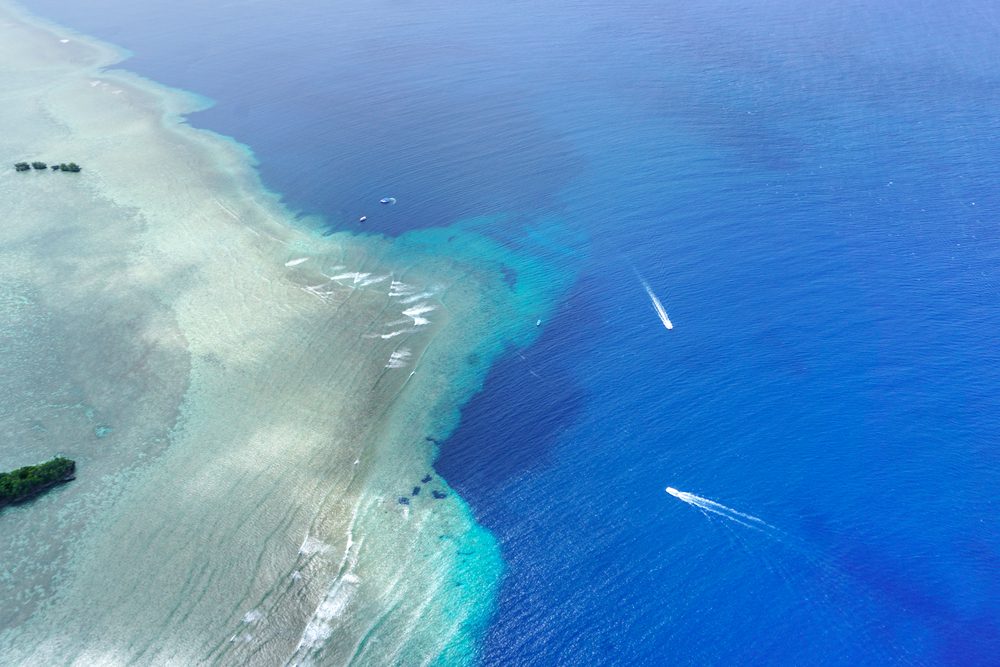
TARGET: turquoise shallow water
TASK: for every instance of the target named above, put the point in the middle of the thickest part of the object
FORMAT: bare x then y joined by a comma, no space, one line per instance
810,190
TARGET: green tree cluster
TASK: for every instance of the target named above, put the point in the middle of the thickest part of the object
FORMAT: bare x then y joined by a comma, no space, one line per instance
25,166
28,481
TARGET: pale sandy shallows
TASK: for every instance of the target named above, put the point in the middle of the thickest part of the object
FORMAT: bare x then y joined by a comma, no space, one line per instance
246,401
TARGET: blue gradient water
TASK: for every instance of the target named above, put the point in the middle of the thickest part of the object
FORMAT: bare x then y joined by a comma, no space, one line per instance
811,190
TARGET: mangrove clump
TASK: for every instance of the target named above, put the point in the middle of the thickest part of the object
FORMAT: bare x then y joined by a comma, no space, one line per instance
41,166
29,481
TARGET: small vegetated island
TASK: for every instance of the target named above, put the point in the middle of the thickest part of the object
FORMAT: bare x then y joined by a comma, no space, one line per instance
41,166
29,481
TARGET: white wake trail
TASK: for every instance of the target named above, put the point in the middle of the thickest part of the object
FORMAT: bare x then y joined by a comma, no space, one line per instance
660,310
747,520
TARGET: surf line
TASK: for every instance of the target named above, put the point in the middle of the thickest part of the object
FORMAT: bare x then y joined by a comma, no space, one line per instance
706,505
660,310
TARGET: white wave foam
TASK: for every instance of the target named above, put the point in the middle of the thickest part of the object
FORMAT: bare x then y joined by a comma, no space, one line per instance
373,281
316,290
399,358
417,311
393,334
417,297
296,262
334,603
311,546
349,555
397,288
253,616
359,278
354,276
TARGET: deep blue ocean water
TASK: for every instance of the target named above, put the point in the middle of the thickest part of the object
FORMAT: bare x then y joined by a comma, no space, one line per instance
812,189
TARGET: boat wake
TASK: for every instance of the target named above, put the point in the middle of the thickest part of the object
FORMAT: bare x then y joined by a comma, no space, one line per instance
660,310
803,569
718,509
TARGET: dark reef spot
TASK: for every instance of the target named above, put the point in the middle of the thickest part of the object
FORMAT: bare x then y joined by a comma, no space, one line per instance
403,500
416,491
426,479
509,276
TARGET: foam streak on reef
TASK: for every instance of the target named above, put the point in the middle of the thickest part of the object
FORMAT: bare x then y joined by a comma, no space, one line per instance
257,418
